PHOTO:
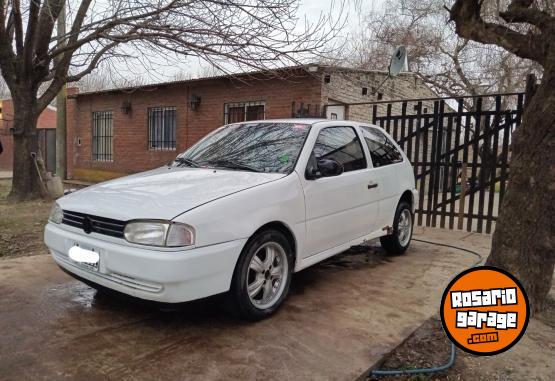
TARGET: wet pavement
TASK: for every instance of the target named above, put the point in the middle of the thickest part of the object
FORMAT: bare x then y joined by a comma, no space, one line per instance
340,318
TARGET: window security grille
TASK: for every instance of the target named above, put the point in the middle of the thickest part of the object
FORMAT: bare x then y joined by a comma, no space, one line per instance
161,128
102,136
244,111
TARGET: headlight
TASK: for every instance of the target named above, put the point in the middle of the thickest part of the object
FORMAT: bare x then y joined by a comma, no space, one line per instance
159,233
56,214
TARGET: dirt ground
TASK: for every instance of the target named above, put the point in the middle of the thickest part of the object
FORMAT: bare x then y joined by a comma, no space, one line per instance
530,359
21,225
342,317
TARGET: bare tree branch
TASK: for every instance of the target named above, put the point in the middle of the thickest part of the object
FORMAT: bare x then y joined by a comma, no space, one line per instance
469,24
519,11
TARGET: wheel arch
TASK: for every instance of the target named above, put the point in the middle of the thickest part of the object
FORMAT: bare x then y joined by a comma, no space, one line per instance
283,228
407,196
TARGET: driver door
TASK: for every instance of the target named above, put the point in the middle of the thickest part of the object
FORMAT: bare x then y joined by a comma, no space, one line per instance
339,208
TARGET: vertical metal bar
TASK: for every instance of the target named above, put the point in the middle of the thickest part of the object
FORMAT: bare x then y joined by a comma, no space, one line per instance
403,125
388,119
150,128
476,139
105,134
111,137
433,150
455,162
174,129
374,113
466,141
493,173
102,137
446,166
463,196
482,176
424,163
416,155
93,130
438,147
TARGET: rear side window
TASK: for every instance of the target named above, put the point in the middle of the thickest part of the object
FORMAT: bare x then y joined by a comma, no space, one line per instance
382,150
341,144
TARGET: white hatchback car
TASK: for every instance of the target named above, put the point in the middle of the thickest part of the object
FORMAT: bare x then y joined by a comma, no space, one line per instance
238,212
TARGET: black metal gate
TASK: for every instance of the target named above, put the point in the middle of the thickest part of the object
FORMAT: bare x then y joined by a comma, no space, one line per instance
459,148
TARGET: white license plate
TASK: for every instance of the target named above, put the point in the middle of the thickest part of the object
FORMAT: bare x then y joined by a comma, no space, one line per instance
87,258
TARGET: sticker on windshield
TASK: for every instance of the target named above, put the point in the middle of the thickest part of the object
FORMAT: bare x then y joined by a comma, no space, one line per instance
284,159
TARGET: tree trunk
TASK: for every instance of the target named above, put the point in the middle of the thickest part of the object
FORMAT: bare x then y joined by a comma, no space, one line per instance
524,239
25,183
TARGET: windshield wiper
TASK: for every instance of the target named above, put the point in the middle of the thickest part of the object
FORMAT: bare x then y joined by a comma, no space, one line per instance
230,164
188,162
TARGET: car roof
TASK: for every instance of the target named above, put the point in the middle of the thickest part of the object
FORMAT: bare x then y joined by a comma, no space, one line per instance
290,120
310,121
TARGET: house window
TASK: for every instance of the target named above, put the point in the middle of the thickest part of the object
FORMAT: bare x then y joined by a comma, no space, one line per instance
102,136
244,111
161,128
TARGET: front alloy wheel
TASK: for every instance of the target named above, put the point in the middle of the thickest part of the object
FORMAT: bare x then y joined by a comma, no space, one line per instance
262,276
398,242
267,275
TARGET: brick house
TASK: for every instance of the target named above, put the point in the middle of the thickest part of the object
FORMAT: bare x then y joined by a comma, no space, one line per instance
127,130
47,135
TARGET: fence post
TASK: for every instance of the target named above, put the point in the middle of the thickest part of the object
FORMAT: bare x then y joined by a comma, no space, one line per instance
463,196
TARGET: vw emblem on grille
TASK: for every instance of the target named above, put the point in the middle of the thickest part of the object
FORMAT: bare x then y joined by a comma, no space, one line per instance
87,225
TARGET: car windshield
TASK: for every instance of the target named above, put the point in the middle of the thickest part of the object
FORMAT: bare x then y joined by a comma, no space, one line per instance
257,147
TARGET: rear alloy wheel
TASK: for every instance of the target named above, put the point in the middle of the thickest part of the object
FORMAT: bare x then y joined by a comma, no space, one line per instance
398,242
262,276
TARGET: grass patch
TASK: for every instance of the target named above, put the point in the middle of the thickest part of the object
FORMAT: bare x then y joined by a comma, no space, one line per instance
21,225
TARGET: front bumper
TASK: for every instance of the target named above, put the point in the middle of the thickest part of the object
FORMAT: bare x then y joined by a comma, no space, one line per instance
146,273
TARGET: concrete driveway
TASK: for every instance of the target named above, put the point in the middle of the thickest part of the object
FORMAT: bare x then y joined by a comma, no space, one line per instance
340,318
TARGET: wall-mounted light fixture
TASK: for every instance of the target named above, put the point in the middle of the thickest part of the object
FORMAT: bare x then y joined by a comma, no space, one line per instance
126,107
194,102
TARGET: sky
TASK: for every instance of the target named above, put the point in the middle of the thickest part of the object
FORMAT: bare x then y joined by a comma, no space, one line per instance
311,9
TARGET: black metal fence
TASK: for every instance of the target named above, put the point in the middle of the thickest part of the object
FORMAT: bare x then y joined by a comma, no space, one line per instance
460,152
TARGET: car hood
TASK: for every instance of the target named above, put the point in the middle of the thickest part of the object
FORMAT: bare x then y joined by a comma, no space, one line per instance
162,193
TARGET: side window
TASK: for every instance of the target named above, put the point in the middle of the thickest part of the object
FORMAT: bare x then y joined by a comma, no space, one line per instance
382,150
341,144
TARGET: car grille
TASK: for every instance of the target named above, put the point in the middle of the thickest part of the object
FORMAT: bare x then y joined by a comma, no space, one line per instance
95,224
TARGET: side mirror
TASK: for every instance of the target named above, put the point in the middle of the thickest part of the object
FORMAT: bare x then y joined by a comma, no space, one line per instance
329,167
323,168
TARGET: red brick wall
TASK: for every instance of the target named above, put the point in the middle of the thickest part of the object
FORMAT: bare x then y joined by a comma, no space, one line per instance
130,141
47,119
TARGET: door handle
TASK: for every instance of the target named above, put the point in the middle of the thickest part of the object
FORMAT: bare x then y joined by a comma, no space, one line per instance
372,184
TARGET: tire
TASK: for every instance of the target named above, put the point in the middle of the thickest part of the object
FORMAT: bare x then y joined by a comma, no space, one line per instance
398,242
267,279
